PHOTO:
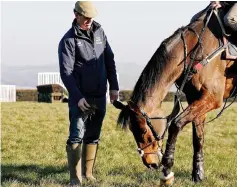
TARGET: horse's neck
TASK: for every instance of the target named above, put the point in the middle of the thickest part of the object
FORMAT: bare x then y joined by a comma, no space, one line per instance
158,93
153,102
170,73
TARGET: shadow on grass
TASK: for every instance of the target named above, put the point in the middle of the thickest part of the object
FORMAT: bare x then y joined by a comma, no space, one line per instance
33,174
149,176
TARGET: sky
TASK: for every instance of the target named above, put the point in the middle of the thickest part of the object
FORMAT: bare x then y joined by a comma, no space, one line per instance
31,30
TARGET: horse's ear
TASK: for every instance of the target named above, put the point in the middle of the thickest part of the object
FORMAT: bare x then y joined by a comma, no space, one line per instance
118,105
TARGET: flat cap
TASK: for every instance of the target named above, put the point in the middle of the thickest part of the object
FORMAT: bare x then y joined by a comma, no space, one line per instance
86,8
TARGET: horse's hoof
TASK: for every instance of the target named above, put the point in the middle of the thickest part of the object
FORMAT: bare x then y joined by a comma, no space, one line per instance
197,176
167,181
198,172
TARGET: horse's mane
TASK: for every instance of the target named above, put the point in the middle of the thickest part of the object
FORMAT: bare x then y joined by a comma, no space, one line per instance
154,68
149,77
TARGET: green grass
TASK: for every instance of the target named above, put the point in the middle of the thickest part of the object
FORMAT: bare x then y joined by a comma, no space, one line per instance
33,150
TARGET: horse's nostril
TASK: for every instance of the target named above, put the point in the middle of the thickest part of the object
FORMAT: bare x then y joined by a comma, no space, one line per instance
155,166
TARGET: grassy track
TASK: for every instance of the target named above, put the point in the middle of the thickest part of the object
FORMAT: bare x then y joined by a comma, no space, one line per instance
33,150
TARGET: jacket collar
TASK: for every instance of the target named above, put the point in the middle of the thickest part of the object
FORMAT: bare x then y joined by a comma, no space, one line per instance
95,26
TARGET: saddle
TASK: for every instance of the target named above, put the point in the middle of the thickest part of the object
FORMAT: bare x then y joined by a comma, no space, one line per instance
229,37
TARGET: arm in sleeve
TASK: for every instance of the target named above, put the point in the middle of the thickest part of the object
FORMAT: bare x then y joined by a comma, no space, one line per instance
110,67
66,54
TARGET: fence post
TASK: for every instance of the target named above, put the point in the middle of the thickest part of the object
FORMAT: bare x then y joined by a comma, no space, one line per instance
7,93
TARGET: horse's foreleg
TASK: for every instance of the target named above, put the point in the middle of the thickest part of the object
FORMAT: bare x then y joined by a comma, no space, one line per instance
198,141
167,177
196,110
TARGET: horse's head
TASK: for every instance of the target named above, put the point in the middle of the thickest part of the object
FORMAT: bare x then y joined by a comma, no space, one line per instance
149,147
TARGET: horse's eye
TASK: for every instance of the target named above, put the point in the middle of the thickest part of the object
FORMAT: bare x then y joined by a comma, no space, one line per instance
144,133
150,139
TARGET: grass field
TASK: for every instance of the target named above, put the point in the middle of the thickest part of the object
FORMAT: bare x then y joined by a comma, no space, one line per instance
33,150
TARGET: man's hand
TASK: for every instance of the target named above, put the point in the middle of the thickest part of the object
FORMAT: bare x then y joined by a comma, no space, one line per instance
215,4
113,95
83,105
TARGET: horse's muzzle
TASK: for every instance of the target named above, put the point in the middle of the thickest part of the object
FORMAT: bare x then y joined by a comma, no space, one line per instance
154,166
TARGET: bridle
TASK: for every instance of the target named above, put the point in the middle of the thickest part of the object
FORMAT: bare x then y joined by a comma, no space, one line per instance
154,133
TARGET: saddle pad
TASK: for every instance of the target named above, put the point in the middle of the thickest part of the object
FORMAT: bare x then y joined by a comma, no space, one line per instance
232,49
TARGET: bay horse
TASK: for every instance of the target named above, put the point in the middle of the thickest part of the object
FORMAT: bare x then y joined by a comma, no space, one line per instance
204,89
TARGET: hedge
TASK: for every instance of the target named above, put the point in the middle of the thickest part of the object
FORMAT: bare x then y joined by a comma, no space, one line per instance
26,95
124,95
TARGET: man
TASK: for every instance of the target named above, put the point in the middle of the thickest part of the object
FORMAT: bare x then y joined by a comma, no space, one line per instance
230,19
86,63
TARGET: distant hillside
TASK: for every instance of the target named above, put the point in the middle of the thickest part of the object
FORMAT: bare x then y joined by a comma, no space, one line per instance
26,76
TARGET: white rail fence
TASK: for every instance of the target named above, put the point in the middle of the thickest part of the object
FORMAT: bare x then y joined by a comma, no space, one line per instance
7,93
49,78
